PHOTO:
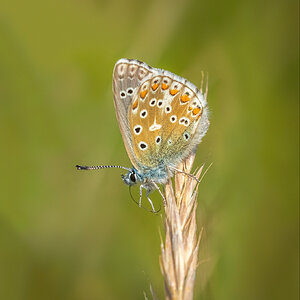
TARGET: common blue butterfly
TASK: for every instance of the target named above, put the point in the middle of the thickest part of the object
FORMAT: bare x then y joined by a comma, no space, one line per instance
162,119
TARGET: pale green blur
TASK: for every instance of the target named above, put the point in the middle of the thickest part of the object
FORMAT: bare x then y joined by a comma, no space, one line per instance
66,234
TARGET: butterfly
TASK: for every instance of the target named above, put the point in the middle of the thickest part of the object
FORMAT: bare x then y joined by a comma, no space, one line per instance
162,119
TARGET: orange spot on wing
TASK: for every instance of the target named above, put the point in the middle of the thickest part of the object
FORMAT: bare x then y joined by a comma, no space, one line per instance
185,98
164,86
173,92
135,104
154,86
143,94
199,116
190,108
196,111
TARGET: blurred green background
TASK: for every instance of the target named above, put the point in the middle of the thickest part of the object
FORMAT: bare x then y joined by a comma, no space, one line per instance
66,234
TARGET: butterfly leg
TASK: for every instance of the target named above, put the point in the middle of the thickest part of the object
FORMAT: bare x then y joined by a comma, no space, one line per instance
141,194
147,195
164,199
185,173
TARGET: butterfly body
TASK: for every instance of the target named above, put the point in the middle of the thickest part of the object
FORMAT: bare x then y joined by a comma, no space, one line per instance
145,176
162,119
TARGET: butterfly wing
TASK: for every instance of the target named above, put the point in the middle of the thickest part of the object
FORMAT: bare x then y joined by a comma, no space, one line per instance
168,117
127,77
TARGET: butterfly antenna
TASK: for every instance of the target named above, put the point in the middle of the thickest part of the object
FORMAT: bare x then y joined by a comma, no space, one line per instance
148,210
99,167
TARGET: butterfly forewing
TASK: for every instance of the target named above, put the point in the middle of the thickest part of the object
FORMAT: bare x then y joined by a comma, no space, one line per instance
127,77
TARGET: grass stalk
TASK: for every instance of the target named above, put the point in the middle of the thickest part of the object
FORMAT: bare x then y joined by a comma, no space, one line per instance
179,251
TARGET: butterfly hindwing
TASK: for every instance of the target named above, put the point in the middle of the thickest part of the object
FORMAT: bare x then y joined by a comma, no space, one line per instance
167,117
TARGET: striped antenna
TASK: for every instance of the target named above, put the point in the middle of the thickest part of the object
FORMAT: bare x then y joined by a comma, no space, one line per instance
99,167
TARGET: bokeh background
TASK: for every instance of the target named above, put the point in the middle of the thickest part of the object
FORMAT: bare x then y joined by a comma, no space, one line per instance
66,234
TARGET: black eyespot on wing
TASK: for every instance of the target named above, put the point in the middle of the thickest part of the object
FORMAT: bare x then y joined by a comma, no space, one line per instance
152,102
143,145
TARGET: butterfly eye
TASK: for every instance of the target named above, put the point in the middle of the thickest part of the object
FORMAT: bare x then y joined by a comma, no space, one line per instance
133,177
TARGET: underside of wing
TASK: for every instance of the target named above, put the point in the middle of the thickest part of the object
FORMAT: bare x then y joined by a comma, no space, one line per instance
168,117
127,77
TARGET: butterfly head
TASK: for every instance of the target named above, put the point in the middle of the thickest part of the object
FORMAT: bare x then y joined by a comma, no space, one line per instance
132,177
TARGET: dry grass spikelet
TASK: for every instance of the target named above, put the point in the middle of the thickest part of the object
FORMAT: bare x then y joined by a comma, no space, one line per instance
179,257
